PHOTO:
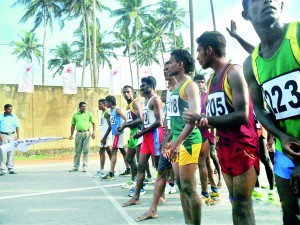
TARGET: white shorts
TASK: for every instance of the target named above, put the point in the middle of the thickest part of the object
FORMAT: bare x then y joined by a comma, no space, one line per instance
121,140
108,142
140,140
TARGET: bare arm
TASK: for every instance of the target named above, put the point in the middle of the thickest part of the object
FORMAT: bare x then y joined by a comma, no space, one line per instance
72,132
119,112
264,116
138,112
107,117
233,33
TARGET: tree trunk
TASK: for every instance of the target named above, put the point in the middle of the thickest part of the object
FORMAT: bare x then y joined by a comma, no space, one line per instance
161,50
90,48
191,5
174,35
44,49
137,56
213,14
94,44
85,44
130,66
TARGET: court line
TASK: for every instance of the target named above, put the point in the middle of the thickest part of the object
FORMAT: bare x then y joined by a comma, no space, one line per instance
121,210
48,192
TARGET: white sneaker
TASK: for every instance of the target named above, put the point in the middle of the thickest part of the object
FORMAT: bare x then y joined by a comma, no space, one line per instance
169,189
130,184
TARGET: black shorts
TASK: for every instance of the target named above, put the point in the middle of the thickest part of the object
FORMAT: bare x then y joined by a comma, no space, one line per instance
163,163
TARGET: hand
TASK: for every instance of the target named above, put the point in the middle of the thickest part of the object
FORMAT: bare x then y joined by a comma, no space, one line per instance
118,134
233,29
270,145
165,149
137,135
174,152
103,141
203,123
295,180
93,135
71,137
120,129
190,117
290,147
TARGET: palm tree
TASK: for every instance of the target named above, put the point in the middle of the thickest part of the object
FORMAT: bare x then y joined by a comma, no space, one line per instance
213,14
27,47
171,17
44,12
132,12
63,56
124,39
192,36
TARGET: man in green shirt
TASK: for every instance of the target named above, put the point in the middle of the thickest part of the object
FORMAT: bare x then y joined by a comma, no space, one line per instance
82,120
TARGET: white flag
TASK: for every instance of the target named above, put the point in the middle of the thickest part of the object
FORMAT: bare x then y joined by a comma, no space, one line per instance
23,145
26,83
115,81
146,71
69,79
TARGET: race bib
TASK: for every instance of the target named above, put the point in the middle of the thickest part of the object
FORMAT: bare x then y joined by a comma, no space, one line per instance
216,104
128,116
173,106
146,116
112,120
282,94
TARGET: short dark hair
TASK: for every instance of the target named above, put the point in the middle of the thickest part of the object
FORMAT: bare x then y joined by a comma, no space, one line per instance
150,80
199,77
81,103
103,101
214,39
7,106
111,99
245,5
182,55
128,86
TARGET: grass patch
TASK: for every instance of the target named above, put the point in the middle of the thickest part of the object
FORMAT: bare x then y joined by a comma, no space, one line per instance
35,157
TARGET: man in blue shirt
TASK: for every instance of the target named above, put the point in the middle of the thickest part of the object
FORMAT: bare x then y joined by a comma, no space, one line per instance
9,131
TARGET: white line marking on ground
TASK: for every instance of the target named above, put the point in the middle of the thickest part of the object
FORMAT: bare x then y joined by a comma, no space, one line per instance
122,211
48,192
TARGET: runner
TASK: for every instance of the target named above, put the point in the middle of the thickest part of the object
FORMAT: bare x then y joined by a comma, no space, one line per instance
116,117
164,166
186,139
229,109
205,168
133,121
272,73
105,135
152,133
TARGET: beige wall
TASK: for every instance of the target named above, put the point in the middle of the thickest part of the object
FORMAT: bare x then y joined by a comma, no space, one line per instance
48,111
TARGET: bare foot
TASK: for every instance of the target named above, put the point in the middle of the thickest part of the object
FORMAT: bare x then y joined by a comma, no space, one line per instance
131,202
147,215
220,184
161,201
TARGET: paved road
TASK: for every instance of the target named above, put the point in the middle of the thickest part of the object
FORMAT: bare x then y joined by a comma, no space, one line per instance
47,194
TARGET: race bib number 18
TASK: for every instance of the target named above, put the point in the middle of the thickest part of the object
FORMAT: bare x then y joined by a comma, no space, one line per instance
173,109
282,94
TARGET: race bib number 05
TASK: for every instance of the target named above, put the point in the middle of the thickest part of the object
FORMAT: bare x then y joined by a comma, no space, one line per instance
216,104
173,106
282,94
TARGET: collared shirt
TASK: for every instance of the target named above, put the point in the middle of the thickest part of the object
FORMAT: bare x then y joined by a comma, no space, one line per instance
82,121
8,123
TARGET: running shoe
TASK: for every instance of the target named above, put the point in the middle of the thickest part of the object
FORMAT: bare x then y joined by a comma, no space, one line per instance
208,201
108,177
215,195
127,173
130,184
257,195
169,189
132,191
273,197
155,174
149,180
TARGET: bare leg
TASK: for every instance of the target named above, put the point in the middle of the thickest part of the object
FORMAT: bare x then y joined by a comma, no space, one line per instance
184,202
130,159
108,151
113,160
240,190
213,155
139,182
265,159
123,152
102,157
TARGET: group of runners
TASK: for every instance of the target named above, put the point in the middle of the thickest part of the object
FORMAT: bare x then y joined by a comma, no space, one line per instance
181,139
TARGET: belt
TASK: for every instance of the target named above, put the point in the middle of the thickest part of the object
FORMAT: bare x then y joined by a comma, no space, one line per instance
7,133
83,130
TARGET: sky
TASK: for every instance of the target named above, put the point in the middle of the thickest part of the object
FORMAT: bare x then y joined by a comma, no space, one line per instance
225,10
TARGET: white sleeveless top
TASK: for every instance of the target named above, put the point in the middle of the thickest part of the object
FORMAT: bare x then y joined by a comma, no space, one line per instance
148,114
103,126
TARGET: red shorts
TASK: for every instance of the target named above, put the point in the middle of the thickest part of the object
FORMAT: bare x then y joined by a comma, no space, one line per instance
152,141
236,158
